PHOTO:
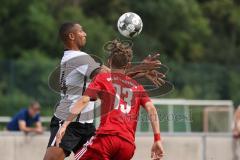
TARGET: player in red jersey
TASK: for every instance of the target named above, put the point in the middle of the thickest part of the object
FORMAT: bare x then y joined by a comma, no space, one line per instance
121,99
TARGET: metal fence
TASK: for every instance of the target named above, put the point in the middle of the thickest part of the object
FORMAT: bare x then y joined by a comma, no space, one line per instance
178,115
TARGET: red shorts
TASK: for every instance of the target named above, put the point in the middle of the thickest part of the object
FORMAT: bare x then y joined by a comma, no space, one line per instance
106,147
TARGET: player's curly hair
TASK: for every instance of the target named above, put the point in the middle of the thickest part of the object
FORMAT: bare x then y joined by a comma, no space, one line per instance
120,53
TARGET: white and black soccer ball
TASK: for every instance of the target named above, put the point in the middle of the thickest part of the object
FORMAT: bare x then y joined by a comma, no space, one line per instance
130,24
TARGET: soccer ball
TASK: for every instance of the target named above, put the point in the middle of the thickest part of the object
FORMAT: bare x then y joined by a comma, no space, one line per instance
130,24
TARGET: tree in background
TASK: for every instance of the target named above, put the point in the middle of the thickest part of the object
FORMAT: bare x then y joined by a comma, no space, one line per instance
198,39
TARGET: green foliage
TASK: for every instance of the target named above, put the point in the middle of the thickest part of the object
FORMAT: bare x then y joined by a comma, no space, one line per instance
32,71
193,36
11,103
36,28
26,81
110,10
203,81
234,85
176,27
223,45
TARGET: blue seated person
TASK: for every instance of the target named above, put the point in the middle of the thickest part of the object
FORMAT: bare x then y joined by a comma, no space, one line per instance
27,120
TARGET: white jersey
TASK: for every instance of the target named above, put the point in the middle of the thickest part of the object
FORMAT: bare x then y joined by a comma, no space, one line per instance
76,68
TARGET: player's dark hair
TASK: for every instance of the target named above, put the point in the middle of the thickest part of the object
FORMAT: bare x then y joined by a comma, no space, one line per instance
65,29
120,53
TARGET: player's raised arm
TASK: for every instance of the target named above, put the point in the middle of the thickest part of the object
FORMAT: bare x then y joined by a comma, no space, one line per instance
148,68
157,148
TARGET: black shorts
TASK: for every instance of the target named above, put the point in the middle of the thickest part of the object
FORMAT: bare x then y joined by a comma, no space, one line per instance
75,136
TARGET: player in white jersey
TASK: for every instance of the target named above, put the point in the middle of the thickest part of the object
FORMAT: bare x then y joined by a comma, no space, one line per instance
76,70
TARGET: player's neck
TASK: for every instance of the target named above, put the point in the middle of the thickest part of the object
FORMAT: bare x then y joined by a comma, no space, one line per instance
71,47
118,70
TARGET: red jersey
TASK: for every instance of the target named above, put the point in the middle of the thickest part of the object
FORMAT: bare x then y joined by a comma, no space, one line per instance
121,98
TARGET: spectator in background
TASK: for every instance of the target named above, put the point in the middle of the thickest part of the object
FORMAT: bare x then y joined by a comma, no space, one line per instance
27,120
236,134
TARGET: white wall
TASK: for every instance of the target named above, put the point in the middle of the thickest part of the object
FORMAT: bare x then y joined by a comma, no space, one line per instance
17,146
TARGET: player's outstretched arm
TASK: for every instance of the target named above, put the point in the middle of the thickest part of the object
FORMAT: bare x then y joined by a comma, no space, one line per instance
157,148
74,111
151,62
148,69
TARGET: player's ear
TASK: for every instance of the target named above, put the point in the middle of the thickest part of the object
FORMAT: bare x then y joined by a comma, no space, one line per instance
71,36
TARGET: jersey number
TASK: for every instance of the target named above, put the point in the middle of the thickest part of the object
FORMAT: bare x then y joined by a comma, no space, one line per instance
127,92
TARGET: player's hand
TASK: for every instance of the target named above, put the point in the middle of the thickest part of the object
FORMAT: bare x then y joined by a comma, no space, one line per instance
148,69
60,134
155,77
149,63
152,58
157,151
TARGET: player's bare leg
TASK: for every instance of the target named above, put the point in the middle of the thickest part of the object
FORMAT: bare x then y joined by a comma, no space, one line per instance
54,153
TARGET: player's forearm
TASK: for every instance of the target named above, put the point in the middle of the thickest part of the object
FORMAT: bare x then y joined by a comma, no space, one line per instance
69,119
153,116
76,109
133,70
80,105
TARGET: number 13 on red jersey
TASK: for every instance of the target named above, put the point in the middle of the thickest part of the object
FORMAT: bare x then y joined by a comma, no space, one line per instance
127,94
